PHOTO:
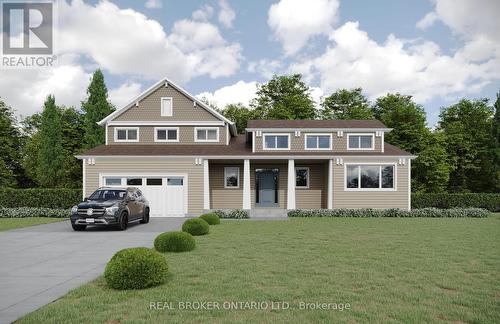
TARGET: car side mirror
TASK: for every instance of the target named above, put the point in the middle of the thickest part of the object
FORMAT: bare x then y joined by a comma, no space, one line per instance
86,198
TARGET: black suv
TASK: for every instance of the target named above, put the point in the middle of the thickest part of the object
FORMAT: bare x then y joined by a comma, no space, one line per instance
111,206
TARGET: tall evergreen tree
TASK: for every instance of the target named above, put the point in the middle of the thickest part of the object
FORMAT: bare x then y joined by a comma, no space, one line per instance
467,127
10,144
50,152
495,146
284,97
96,107
346,104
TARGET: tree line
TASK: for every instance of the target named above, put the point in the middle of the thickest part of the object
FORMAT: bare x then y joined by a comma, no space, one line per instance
460,154
39,152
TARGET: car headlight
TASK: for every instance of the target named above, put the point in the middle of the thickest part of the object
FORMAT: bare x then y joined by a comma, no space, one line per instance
74,209
112,210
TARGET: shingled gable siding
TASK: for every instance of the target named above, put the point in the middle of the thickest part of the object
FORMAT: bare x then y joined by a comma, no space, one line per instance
149,108
370,199
186,136
150,166
297,144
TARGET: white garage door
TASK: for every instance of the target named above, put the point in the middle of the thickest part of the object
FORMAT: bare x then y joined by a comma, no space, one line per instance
167,195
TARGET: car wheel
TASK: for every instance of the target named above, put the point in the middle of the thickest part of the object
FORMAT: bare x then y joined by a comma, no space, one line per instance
145,217
78,228
123,222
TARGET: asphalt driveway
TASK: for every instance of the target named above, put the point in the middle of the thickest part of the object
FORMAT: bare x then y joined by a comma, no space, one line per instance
39,264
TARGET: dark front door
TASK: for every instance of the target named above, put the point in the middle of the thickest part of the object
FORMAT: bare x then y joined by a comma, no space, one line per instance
267,187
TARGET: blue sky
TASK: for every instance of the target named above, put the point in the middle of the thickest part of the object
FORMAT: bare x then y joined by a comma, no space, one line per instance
221,49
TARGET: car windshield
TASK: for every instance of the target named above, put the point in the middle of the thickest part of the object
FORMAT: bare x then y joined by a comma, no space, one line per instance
112,194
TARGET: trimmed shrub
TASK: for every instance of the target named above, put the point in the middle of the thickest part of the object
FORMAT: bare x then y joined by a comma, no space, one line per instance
490,201
39,197
196,226
136,268
174,242
22,212
233,213
423,212
211,218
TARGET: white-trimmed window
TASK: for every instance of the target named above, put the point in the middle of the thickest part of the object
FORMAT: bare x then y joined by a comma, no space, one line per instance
302,177
318,141
276,141
231,177
370,177
112,181
166,106
360,141
166,134
206,134
127,134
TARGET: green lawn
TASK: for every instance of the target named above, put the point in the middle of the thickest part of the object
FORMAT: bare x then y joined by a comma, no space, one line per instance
11,223
388,270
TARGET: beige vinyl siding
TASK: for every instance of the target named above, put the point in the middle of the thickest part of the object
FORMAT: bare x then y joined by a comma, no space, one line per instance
150,166
371,199
297,144
149,108
282,183
186,136
314,196
220,197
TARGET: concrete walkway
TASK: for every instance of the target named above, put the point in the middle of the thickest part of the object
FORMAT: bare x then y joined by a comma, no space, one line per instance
40,264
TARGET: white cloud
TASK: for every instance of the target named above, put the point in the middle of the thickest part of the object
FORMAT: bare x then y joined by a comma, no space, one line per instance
239,92
123,94
123,42
266,68
418,68
294,22
154,4
136,45
226,14
26,90
428,20
205,13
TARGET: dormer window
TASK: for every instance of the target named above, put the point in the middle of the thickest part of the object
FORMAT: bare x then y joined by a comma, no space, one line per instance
166,106
360,141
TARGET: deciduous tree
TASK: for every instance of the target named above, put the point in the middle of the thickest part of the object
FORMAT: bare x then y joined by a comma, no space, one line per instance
346,104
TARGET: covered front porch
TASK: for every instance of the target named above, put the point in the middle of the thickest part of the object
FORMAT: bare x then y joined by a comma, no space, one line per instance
265,186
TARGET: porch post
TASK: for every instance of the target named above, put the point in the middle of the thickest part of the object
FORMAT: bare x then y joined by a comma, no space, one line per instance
330,184
291,185
246,185
206,186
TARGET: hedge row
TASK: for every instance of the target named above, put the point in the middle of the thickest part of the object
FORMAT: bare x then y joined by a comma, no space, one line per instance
424,212
21,212
48,198
490,201
233,213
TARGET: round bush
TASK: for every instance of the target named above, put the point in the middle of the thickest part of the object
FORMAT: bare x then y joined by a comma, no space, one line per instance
211,218
136,268
174,242
195,226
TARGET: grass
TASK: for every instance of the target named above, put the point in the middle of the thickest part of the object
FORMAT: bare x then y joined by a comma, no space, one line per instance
388,270
12,223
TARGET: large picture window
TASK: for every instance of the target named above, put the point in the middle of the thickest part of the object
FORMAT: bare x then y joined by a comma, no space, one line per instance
360,142
231,177
276,142
370,177
318,142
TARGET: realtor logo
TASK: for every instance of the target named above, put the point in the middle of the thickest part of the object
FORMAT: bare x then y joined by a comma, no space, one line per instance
27,33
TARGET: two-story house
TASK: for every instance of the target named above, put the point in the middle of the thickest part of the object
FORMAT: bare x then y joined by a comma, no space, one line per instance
187,158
